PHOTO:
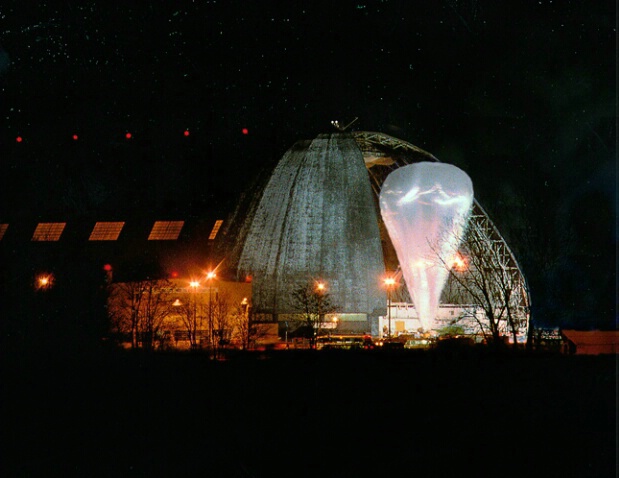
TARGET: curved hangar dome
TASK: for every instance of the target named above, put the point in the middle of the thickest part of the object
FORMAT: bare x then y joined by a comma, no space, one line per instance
316,217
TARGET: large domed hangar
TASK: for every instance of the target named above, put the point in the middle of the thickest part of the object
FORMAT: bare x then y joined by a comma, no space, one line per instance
315,217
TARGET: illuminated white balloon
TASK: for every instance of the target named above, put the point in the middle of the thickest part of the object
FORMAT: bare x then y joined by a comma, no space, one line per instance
425,207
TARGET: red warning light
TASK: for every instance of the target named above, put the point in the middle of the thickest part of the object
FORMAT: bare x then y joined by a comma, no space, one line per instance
107,267
174,274
128,135
245,131
19,139
186,132
74,137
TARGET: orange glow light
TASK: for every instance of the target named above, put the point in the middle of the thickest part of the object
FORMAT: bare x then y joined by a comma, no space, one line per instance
459,263
44,281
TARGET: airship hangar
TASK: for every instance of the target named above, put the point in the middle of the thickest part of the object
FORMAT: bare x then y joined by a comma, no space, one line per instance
314,216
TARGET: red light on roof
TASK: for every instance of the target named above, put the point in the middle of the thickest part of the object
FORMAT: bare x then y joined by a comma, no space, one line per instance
186,132
107,267
245,131
128,135
74,137
19,139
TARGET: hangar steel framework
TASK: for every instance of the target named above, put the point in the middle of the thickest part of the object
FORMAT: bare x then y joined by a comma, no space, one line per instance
383,154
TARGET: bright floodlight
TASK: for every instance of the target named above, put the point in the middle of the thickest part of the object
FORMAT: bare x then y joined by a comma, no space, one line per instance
425,207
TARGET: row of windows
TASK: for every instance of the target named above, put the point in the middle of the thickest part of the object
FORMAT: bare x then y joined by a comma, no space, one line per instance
109,231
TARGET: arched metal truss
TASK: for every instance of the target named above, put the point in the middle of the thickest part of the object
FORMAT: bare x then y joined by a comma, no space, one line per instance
383,154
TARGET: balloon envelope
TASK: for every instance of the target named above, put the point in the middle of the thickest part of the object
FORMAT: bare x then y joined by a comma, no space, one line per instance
425,207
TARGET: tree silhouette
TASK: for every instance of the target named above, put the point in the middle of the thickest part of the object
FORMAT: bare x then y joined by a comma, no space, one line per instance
312,301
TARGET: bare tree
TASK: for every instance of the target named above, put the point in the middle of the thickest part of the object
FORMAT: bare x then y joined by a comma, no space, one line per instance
239,317
483,274
156,306
245,331
313,302
191,313
138,309
543,249
220,322
124,303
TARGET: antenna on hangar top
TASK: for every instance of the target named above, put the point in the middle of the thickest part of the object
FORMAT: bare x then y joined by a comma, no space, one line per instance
337,125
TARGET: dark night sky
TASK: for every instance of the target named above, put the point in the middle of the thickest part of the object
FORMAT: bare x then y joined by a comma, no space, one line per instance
519,94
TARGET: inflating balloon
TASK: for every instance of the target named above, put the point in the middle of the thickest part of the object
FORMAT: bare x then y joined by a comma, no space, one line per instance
425,207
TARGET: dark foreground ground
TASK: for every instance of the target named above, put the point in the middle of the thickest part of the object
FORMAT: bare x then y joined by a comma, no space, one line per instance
308,415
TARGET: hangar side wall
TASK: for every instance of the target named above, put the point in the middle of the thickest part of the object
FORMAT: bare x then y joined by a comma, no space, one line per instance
317,220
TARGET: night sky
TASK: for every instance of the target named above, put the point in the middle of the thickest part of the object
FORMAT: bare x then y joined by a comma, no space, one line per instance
519,94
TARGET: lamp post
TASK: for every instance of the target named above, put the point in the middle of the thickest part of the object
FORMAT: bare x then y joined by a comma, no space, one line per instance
42,283
194,287
245,325
389,283
320,290
209,277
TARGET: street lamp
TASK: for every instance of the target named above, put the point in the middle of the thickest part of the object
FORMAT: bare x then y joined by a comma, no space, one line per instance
44,281
245,325
459,263
389,283
194,287
209,277
320,290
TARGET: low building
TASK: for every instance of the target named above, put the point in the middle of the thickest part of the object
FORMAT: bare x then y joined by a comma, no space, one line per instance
590,342
469,320
184,314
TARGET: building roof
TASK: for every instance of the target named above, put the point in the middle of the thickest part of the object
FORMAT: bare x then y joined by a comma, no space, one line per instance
592,337
133,246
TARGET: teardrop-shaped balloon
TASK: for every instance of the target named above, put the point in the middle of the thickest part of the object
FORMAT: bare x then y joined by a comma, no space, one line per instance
425,207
